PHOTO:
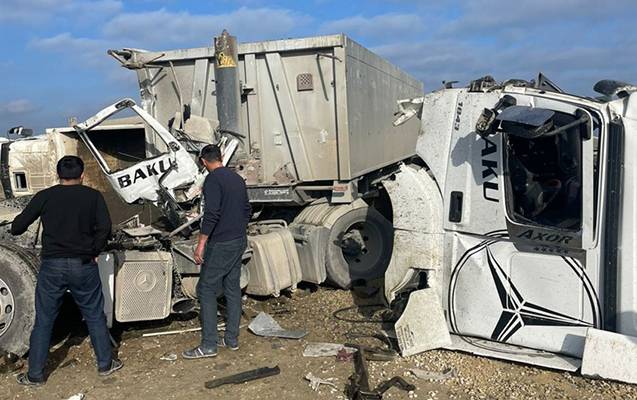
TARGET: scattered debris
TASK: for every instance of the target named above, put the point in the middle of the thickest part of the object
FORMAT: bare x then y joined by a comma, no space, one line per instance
316,382
169,357
221,326
447,373
265,325
316,349
243,377
358,386
344,355
11,363
78,396
163,333
72,363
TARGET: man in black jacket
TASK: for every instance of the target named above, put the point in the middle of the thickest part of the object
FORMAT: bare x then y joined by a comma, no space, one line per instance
222,241
75,228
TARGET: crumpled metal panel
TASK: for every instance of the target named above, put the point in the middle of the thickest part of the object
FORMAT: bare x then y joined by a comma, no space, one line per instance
418,235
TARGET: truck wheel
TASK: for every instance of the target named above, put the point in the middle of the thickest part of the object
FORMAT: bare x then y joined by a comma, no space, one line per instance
359,247
17,297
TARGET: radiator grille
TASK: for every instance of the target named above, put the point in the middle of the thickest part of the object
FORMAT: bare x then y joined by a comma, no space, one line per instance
143,289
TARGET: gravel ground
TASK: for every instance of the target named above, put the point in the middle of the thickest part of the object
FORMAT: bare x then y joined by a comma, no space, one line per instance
146,376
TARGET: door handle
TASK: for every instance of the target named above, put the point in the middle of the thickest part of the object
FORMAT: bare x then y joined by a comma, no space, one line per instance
455,207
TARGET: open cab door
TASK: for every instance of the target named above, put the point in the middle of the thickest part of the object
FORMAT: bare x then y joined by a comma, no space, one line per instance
149,178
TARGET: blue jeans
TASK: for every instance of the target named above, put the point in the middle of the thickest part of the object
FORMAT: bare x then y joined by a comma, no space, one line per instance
56,276
221,269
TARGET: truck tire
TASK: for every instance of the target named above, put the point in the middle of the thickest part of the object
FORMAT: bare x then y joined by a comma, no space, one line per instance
18,268
359,247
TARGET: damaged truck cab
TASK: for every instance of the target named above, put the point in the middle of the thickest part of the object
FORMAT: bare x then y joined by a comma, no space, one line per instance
306,122
524,217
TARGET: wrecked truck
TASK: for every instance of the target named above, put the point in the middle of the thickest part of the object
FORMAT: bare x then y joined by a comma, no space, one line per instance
521,224
306,122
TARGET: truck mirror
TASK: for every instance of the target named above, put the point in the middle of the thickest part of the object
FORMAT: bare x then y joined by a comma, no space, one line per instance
526,122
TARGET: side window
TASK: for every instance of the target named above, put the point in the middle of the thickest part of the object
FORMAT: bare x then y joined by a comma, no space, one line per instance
120,148
545,176
20,179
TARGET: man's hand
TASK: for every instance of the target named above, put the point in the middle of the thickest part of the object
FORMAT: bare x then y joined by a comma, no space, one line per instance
199,250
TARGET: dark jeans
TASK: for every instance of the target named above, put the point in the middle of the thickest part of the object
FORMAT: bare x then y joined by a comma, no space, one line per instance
83,281
221,269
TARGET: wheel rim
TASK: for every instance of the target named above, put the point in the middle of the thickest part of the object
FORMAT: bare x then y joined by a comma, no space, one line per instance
362,247
7,308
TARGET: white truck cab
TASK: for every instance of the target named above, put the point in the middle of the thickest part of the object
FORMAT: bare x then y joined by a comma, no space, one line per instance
529,213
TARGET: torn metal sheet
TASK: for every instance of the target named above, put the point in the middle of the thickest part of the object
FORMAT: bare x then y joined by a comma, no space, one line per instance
265,325
610,355
422,325
509,352
325,349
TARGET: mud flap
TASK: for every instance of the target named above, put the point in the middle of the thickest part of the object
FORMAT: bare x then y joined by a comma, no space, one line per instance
422,325
418,235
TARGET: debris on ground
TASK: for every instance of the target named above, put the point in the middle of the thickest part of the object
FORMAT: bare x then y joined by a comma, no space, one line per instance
243,377
169,357
344,355
146,377
316,382
316,349
176,332
264,325
79,396
447,373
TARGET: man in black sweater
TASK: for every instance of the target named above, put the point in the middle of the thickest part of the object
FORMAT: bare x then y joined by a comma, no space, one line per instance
75,228
222,241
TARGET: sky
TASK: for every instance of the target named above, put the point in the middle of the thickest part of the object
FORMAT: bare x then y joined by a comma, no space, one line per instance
53,61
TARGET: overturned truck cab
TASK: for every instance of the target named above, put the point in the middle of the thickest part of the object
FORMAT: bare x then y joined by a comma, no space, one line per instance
520,220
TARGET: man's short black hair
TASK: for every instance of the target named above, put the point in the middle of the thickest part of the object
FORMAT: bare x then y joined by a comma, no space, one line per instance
70,167
211,153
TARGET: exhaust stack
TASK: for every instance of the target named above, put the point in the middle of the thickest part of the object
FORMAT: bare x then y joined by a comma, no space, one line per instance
228,88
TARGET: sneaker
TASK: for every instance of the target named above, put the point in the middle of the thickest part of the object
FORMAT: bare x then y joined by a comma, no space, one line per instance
227,344
115,365
23,379
198,352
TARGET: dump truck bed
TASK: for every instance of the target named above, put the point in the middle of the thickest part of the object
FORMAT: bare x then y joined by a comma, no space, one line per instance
313,109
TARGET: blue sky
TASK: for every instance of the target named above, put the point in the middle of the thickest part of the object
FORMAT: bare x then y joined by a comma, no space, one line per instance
53,61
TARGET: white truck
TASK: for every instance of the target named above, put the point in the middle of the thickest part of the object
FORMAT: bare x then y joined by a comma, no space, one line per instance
522,218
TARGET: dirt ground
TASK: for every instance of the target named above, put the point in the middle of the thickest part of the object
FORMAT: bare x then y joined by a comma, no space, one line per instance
146,376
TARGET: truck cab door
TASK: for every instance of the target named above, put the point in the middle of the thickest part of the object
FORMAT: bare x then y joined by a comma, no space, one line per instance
524,268
143,180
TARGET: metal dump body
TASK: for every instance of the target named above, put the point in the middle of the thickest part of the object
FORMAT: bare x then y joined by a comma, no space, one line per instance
313,109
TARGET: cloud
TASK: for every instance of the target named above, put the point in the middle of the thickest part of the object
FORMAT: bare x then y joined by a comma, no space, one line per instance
575,69
166,28
379,26
92,51
36,11
492,17
16,107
